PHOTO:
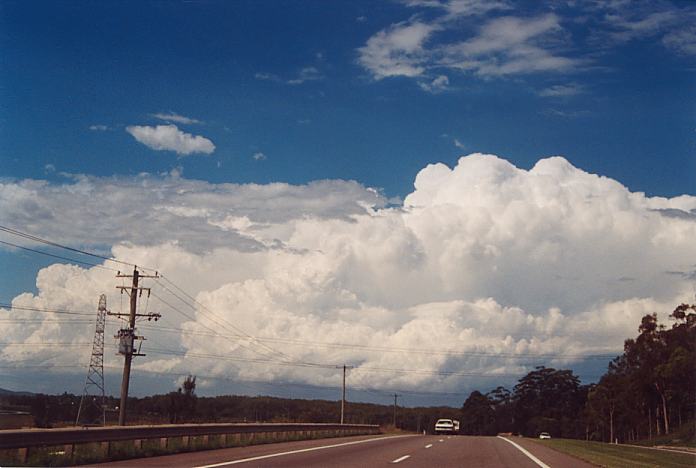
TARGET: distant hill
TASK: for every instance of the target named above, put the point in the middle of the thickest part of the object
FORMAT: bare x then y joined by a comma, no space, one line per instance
4,392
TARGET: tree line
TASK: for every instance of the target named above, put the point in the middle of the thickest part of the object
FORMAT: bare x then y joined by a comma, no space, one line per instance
646,392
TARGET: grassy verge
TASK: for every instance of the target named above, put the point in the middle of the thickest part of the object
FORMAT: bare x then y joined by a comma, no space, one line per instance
684,436
618,456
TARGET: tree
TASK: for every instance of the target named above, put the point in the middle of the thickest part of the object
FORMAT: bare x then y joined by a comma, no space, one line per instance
503,407
477,416
181,405
189,397
606,397
549,400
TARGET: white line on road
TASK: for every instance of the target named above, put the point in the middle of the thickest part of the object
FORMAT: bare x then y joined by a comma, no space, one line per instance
401,459
311,449
429,445
441,440
521,449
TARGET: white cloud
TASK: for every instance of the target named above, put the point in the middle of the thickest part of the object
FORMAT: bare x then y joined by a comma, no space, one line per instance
170,138
437,85
266,76
502,46
397,50
459,144
628,21
306,74
458,8
568,114
99,128
682,41
481,257
510,45
631,24
562,90
176,118
259,156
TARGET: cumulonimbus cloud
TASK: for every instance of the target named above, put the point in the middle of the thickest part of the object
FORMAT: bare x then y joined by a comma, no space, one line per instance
484,263
170,138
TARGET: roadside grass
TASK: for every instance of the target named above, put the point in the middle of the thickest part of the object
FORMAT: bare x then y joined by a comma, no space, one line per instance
619,456
684,436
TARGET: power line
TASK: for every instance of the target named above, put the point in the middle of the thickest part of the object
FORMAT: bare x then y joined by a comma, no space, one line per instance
383,349
43,310
291,384
239,330
44,366
56,256
25,235
193,319
214,333
65,321
226,324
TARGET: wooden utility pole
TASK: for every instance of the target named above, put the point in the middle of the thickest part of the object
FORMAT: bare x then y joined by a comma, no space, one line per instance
343,399
127,335
395,397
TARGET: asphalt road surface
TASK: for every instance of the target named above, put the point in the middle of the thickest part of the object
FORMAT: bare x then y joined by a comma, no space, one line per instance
369,451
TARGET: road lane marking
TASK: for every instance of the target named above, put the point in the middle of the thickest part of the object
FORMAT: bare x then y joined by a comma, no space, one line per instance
311,449
521,449
441,440
401,459
429,445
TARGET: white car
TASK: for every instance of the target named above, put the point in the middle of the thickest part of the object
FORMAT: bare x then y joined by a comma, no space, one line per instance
544,435
444,426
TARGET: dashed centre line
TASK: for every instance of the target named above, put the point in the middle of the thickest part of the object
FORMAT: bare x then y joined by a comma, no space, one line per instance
400,459
429,445
441,440
291,452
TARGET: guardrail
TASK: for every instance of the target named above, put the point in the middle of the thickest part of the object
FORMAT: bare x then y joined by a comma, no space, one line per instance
187,436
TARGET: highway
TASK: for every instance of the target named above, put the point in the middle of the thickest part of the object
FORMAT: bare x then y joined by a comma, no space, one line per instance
383,450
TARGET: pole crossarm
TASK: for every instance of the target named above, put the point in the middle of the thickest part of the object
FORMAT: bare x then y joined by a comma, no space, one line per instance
150,316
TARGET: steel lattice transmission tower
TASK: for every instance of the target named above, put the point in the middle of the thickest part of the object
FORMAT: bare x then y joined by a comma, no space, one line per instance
92,408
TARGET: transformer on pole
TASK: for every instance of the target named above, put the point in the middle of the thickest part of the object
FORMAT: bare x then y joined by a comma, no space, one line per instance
126,336
92,408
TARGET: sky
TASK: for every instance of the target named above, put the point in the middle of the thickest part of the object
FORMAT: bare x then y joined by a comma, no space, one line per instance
433,186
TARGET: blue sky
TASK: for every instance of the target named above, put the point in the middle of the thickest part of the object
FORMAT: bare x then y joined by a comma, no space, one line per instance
281,157
624,109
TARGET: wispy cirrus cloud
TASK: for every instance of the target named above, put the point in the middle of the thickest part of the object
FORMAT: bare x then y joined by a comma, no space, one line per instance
305,74
511,46
492,39
398,50
562,90
170,138
457,8
176,118
99,128
501,46
682,41
437,85
671,23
